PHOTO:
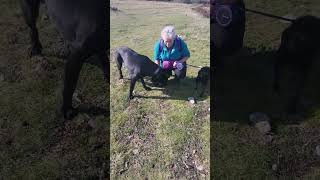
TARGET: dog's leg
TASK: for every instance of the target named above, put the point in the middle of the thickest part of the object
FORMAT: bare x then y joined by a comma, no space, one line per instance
203,86
30,10
197,85
119,62
197,82
132,84
105,65
71,76
277,68
281,59
144,85
301,74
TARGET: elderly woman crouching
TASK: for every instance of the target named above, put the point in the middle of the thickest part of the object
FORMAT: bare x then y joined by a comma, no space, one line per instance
171,53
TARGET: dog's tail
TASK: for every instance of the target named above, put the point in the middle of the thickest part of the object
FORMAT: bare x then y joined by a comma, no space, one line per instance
119,62
118,59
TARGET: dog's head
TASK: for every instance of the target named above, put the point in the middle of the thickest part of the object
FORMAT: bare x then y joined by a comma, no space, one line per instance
205,69
301,38
204,73
160,78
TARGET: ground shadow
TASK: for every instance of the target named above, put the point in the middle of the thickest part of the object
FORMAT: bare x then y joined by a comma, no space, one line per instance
93,110
178,91
243,85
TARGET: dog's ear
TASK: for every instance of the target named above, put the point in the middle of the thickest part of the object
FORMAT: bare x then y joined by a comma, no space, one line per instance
157,71
160,78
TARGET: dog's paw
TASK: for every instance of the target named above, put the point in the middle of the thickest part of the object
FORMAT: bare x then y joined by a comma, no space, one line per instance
70,113
276,88
35,51
275,93
106,79
130,97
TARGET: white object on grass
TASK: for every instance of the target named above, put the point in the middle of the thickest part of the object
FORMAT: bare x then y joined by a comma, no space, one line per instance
191,100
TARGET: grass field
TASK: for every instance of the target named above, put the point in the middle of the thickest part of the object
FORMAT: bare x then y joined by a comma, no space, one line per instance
245,86
34,143
159,135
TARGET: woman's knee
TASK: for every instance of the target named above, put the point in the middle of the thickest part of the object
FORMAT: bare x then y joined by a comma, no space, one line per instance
181,73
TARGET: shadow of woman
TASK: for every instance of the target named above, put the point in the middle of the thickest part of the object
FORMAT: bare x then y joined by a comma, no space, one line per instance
244,85
179,91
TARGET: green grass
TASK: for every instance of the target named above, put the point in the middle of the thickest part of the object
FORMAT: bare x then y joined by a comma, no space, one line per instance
34,142
153,137
157,137
245,86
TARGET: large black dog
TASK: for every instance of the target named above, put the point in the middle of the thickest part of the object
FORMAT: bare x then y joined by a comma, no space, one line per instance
138,67
83,25
299,46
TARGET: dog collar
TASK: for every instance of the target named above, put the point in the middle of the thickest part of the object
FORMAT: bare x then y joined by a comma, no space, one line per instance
157,70
223,15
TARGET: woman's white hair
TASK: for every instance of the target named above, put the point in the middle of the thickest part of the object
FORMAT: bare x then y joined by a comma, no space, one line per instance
168,32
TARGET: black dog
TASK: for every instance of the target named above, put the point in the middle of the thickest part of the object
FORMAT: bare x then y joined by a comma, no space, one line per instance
83,24
299,46
202,79
138,67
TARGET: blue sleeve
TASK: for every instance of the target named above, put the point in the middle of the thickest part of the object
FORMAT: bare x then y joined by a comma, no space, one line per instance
156,55
185,50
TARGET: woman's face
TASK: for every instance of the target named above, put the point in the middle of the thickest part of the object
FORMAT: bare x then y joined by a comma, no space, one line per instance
168,42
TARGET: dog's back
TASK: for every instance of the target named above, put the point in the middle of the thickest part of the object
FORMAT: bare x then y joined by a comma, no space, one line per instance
203,75
130,56
127,55
134,62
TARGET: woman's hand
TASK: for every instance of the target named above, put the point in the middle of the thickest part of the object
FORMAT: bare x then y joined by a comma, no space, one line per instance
175,64
157,62
180,61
